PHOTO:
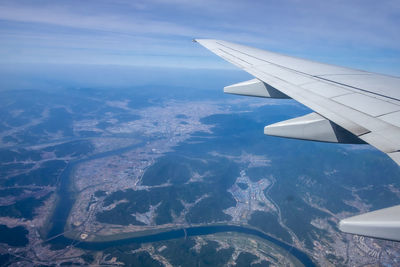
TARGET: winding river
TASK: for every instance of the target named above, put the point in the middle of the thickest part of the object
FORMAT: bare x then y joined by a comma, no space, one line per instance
66,199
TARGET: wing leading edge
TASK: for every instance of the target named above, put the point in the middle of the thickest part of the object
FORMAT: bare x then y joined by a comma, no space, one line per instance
351,106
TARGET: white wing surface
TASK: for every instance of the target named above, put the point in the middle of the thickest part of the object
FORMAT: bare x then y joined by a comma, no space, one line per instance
351,106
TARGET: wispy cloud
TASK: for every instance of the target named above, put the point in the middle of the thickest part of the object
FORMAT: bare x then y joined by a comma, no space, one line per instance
158,32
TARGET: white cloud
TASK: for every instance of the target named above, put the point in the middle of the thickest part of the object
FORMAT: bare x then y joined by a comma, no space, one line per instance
163,29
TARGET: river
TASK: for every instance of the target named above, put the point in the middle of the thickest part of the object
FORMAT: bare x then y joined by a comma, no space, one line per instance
66,199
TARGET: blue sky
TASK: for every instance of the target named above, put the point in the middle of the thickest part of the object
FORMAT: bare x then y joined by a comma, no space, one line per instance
362,34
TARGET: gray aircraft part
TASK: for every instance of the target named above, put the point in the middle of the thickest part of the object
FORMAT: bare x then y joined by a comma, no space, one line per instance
312,127
254,87
382,223
363,104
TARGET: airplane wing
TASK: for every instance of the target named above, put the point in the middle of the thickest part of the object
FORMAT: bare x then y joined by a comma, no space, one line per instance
350,106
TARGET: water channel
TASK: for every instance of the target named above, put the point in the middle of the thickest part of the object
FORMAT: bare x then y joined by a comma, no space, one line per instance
66,199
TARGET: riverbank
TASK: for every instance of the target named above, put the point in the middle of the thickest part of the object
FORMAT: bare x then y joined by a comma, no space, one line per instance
60,236
184,233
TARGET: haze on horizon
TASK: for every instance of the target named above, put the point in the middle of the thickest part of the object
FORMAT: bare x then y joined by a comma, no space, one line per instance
157,33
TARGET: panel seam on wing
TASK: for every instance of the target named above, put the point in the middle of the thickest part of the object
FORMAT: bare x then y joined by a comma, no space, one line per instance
309,75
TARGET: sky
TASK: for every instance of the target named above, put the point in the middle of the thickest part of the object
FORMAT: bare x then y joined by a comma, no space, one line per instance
157,33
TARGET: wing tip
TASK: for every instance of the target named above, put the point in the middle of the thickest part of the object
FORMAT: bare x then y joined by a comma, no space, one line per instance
200,40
